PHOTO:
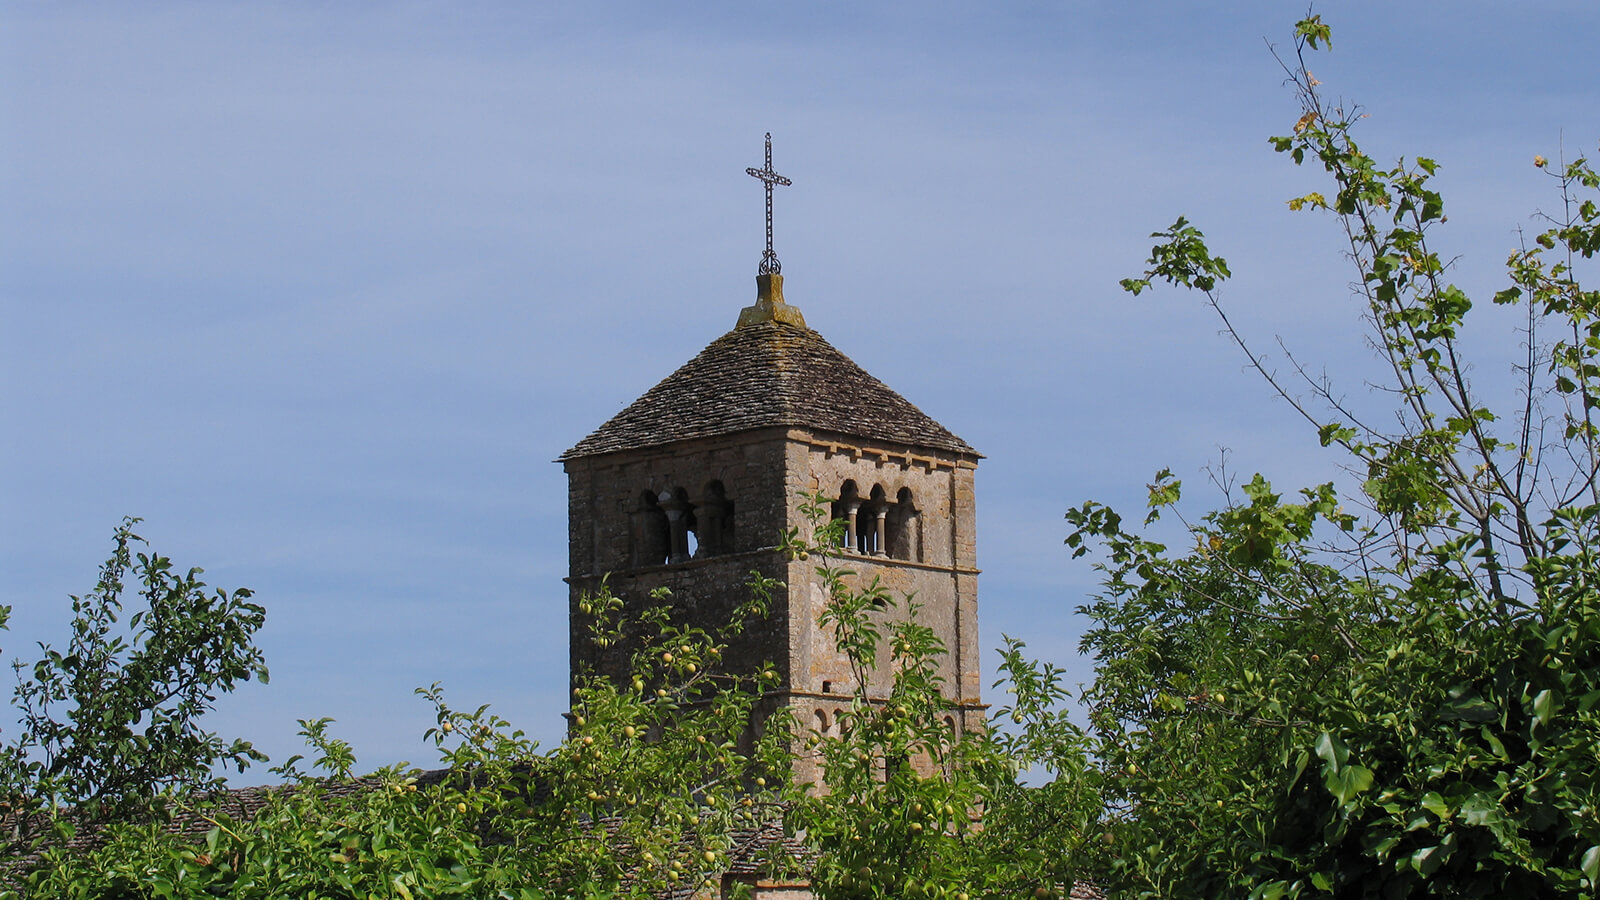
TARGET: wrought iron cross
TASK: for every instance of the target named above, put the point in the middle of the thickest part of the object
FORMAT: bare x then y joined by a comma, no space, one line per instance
769,259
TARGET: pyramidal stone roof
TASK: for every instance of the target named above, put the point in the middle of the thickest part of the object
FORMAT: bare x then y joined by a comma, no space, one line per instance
771,370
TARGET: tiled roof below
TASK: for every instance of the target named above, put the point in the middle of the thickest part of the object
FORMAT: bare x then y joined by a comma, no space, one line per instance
753,850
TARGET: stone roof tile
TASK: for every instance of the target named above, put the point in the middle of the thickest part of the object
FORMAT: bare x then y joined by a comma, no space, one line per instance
768,374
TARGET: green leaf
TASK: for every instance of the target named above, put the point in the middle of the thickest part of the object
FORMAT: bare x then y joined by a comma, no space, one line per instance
1428,860
1348,783
1330,750
1545,706
1313,31
1271,891
1496,745
1335,432
1432,802
1480,809
1465,704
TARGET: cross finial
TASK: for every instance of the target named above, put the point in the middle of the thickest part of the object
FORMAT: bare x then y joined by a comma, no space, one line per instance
769,259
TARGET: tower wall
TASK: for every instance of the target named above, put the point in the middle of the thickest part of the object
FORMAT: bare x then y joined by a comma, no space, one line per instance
692,487
929,563
923,550
695,518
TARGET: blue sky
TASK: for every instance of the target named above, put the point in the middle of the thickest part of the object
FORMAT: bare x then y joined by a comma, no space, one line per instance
320,290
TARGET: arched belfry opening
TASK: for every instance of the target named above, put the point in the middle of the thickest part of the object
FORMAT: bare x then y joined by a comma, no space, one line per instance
876,525
680,523
652,535
670,526
871,541
847,509
901,527
715,522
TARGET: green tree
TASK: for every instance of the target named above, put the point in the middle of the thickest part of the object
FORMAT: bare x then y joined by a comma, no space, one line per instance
660,776
904,808
112,720
1302,700
645,795
1402,701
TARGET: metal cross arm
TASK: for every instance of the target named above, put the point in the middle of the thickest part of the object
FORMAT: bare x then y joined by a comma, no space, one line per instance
769,259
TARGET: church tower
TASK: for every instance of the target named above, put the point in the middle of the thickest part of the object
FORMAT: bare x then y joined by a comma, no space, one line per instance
691,487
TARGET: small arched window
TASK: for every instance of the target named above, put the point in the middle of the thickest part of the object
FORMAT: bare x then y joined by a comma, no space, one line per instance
846,508
714,521
680,523
873,523
903,534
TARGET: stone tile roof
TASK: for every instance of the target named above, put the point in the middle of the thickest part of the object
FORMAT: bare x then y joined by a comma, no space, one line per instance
190,821
755,849
767,374
762,850
752,852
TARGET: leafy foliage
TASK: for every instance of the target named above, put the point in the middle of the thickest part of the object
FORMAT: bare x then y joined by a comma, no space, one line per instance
1401,704
112,721
1391,691
907,808
659,777
645,794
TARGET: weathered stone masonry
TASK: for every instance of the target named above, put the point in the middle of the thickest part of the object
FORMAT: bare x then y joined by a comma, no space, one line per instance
691,486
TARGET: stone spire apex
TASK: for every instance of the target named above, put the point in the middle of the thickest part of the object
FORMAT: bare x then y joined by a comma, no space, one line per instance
769,305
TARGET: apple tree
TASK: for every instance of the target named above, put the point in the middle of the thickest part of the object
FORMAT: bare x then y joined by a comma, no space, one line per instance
904,807
645,796
112,720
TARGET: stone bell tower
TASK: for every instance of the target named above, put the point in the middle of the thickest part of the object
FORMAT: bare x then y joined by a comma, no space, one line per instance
691,486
